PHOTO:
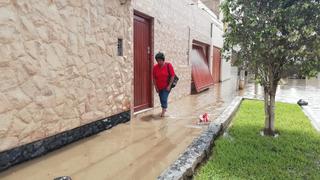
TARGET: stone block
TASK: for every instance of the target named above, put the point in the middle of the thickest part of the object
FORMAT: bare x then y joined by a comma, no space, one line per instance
4,2
86,117
8,142
7,34
8,79
5,105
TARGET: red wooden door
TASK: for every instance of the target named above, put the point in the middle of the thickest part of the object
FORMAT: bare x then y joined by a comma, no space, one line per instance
216,65
142,63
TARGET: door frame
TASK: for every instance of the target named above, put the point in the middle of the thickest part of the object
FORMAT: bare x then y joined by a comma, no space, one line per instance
205,47
213,62
150,57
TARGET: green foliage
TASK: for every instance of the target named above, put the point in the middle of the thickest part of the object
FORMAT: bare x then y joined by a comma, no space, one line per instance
244,154
274,33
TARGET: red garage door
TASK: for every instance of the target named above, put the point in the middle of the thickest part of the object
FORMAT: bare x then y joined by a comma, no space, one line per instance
200,70
216,65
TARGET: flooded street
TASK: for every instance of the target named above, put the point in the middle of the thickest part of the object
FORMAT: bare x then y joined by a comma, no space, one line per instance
148,144
292,91
140,149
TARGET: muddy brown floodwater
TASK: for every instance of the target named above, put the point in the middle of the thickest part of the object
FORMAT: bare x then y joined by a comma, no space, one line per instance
140,149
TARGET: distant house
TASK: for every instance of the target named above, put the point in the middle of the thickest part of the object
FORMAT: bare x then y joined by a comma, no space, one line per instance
70,69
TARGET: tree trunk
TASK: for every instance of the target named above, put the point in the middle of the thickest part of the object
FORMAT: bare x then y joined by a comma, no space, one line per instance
271,115
270,89
269,102
266,107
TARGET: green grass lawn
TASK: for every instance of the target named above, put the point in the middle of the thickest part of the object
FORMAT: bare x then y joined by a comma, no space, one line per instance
245,154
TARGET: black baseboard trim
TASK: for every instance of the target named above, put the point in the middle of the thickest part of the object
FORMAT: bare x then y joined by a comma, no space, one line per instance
41,147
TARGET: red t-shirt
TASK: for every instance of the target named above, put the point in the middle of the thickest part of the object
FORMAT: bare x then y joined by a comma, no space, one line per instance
161,75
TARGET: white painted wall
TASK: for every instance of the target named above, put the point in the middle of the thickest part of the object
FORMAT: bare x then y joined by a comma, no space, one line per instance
217,40
225,70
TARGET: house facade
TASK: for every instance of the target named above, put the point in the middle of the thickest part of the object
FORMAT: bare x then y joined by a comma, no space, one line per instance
70,69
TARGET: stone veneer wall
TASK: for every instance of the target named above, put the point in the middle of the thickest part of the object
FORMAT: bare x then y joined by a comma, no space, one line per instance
59,66
175,25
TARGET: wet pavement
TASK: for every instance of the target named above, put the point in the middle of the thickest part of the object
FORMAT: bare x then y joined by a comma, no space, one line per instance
140,149
293,90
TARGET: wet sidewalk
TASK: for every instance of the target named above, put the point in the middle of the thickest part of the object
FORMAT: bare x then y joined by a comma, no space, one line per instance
140,149
292,91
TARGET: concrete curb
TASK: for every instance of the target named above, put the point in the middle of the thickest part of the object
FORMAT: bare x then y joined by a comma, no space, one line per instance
314,121
185,165
262,99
